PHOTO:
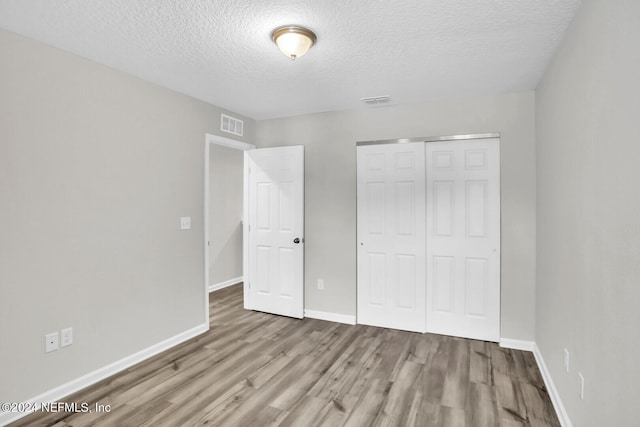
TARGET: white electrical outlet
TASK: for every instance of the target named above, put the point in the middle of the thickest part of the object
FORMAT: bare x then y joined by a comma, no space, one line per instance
51,342
581,384
566,360
185,223
320,284
66,337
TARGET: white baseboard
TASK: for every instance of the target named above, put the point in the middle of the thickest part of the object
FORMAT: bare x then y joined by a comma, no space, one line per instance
563,417
91,378
517,344
332,317
221,285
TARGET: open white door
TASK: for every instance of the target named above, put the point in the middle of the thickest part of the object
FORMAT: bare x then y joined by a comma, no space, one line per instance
463,238
275,253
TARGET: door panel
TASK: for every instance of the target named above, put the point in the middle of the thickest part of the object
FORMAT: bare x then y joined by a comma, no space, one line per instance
476,206
276,217
463,238
443,283
476,287
391,236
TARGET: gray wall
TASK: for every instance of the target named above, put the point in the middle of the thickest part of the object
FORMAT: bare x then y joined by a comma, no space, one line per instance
96,168
330,190
225,213
588,217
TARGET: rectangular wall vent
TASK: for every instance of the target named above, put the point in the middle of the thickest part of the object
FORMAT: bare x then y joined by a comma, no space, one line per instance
375,100
231,125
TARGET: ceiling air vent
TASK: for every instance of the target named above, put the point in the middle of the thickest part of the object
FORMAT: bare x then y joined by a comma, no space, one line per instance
375,100
231,125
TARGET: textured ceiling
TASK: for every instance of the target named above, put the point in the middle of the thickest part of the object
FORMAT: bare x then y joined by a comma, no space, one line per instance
220,51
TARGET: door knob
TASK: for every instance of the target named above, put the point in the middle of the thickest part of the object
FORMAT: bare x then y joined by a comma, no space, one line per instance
296,240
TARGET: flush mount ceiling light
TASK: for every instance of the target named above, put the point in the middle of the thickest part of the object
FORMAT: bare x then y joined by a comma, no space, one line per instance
293,41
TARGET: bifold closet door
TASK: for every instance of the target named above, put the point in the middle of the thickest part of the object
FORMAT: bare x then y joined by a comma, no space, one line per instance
463,238
391,235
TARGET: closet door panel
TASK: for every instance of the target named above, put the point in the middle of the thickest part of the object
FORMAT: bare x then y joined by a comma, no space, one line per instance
463,238
391,236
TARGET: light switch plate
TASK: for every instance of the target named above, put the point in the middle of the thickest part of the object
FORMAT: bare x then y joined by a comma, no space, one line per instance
66,337
185,223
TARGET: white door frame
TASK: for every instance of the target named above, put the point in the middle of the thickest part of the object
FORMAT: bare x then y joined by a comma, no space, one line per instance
237,145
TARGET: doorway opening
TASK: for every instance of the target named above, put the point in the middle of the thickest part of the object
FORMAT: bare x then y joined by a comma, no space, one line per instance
224,213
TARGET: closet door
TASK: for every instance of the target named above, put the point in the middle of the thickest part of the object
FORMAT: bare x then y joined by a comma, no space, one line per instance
463,238
391,235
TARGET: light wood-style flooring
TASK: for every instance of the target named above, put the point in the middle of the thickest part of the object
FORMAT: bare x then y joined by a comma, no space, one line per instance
256,369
